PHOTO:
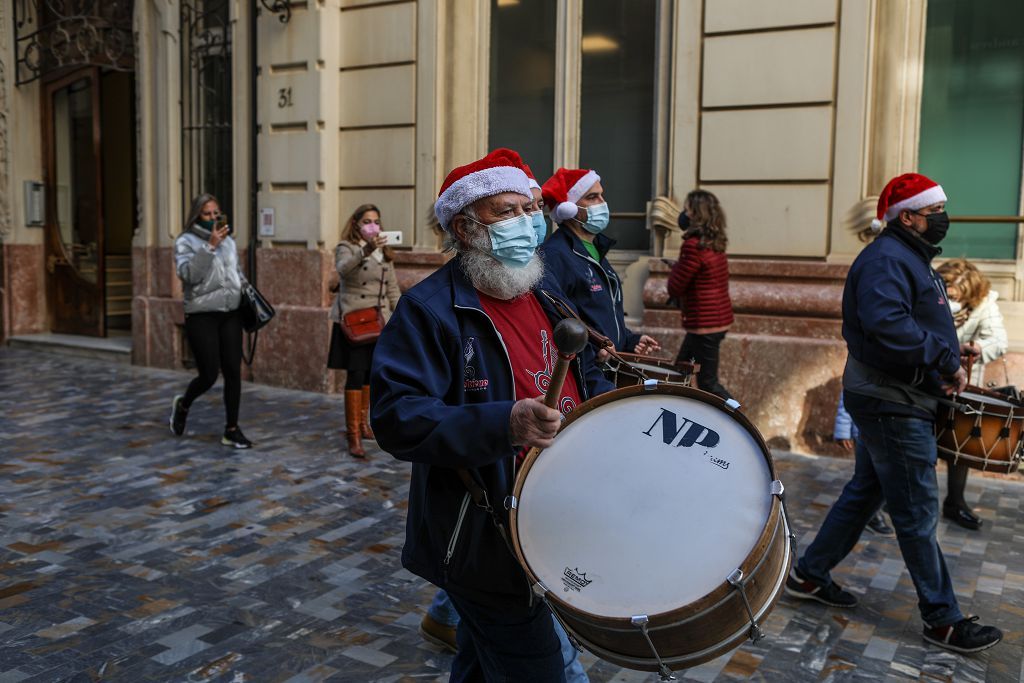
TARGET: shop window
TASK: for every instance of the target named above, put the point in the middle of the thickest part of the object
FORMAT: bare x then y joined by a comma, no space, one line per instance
972,118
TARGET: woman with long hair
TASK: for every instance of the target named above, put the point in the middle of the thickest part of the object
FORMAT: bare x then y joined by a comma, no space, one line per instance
206,259
699,281
366,274
979,323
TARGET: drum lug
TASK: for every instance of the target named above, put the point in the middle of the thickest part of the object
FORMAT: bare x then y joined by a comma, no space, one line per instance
511,502
650,384
732,404
736,581
641,621
777,488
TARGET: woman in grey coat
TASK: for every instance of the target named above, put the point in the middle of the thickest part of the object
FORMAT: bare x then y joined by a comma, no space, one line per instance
366,278
207,263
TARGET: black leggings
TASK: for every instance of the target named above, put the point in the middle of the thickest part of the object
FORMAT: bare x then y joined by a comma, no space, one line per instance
703,348
356,379
216,342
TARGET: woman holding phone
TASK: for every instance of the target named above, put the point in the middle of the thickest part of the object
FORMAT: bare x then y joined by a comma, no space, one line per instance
206,260
366,275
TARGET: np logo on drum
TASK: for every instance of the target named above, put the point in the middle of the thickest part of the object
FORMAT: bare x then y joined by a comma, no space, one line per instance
574,579
682,432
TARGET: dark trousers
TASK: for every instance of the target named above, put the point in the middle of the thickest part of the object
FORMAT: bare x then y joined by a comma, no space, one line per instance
703,349
216,342
895,462
496,646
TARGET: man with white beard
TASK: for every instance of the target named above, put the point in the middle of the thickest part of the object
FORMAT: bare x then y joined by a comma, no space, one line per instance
457,384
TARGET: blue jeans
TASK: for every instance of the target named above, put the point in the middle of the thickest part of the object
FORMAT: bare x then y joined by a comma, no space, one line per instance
442,611
895,461
499,646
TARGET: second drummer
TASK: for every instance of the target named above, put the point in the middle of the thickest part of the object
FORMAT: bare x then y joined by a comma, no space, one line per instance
903,352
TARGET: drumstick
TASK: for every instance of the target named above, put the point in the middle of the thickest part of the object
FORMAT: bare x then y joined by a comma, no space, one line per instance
570,338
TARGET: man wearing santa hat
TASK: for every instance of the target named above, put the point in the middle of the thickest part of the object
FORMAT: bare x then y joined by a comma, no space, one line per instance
455,382
903,355
576,256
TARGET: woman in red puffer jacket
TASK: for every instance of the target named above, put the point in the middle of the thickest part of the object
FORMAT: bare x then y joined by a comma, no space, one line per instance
700,282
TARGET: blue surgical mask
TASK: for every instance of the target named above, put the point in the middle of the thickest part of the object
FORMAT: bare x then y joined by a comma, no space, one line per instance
597,218
513,240
540,226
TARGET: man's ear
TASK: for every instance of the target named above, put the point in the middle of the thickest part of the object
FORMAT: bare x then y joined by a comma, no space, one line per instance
905,218
458,226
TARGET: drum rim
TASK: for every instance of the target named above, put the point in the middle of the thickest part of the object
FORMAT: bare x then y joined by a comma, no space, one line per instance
1014,410
750,562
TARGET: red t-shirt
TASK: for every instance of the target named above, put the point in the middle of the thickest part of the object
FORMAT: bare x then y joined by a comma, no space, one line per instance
527,334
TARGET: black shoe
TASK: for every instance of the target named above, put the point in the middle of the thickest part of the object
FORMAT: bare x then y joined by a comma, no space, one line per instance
235,438
832,595
878,525
179,414
962,516
965,636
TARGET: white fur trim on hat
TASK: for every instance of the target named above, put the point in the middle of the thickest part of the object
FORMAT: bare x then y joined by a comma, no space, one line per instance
485,183
534,185
581,186
565,211
933,195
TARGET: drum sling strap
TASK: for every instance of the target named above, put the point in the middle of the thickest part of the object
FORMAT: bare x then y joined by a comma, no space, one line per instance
598,339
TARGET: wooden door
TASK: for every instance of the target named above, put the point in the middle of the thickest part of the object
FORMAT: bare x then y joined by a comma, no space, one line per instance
74,206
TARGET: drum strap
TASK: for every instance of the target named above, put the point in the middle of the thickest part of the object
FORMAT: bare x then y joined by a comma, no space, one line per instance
598,339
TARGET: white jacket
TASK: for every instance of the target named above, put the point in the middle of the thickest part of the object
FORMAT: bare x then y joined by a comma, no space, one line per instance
211,280
984,326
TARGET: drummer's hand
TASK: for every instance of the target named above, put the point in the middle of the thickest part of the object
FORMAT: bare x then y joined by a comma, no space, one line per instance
602,355
533,424
970,349
956,383
646,345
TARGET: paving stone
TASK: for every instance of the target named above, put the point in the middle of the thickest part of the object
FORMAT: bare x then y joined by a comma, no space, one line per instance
129,555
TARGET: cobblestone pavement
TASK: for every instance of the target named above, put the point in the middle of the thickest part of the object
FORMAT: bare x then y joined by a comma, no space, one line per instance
129,555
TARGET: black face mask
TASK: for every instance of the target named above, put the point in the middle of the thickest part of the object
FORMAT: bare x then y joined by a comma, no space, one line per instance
938,226
683,221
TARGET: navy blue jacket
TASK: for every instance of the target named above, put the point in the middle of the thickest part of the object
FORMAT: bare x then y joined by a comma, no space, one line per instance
896,318
592,286
442,392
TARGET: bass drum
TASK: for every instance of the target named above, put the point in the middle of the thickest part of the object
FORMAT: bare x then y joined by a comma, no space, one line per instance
654,527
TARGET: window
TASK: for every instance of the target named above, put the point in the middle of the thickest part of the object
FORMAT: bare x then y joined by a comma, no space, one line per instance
972,117
615,45
206,148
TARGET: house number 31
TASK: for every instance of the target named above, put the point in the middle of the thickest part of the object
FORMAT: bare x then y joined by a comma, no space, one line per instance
284,98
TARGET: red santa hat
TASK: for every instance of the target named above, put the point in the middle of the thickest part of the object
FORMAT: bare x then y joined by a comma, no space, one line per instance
562,190
500,171
907,192
529,175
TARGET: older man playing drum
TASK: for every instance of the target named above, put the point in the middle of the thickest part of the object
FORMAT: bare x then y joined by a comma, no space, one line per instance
454,389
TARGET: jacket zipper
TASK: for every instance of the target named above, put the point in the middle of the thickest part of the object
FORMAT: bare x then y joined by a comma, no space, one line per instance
455,534
608,281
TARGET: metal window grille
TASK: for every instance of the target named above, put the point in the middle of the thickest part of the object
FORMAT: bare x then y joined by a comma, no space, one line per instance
206,111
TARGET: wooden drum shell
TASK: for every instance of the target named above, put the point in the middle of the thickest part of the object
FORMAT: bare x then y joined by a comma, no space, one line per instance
966,436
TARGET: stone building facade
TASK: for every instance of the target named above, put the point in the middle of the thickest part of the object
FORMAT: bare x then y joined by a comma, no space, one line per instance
794,112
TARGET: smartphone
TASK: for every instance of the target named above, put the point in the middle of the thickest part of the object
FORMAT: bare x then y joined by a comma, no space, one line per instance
394,237
222,220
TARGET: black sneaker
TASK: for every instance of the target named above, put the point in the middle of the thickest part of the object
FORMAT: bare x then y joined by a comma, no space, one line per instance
965,636
804,589
877,525
235,438
178,416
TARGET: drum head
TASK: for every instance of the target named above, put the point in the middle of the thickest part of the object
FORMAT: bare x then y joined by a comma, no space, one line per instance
986,399
651,369
645,503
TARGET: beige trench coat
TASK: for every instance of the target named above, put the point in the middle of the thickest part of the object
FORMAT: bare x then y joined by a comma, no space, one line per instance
360,278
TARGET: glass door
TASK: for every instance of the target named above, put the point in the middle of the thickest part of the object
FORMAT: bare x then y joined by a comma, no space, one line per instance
74,210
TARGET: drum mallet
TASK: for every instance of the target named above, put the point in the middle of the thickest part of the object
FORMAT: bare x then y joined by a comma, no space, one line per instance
570,338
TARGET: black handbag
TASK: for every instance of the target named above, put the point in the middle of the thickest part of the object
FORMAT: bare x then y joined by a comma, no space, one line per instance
256,310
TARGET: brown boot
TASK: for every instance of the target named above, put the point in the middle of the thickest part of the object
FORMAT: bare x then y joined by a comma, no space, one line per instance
353,408
364,416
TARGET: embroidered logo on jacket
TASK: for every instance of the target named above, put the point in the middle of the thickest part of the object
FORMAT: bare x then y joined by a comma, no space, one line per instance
595,282
470,381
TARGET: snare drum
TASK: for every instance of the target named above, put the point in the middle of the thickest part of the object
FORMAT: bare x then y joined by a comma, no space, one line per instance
985,431
638,368
654,527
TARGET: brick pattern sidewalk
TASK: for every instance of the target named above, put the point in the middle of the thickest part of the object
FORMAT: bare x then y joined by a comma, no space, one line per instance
127,554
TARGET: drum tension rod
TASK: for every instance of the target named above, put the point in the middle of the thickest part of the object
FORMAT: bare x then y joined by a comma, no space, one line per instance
779,491
736,581
541,592
640,621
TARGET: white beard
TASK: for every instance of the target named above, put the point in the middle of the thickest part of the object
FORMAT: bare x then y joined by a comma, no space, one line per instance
493,277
